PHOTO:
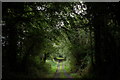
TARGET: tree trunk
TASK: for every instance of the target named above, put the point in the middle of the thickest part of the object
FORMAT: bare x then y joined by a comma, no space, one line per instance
12,49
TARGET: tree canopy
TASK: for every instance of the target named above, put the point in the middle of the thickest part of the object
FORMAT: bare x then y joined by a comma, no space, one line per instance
86,35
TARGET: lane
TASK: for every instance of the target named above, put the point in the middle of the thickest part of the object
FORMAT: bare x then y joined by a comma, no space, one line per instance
57,73
61,72
65,72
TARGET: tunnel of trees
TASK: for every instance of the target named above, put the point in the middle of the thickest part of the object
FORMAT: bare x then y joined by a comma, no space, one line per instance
83,37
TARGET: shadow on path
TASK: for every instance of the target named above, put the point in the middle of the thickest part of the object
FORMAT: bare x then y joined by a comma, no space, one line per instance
61,72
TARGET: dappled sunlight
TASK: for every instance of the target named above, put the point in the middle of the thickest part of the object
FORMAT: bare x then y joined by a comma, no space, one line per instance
77,40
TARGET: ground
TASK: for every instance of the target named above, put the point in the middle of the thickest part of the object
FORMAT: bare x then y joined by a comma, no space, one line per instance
61,70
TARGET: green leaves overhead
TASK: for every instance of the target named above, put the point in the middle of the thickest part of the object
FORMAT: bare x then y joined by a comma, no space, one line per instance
45,30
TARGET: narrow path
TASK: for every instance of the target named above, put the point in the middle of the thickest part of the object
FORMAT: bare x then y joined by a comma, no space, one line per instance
61,72
57,73
65,72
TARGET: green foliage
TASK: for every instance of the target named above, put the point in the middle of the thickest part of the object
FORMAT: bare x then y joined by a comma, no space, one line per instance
44,31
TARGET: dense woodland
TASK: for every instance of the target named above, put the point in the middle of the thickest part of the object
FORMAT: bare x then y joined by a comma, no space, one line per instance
87,35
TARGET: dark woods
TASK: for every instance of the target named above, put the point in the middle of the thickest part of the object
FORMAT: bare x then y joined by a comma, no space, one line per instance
28,34
107,41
